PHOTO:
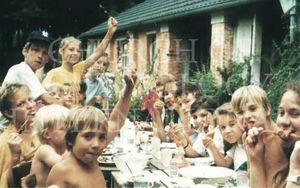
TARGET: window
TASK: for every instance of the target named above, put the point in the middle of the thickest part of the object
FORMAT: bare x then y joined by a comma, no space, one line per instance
123,52
151,54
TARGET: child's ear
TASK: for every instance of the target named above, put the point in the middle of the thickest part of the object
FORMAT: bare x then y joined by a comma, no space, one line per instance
9,113
60,51
268,112
46,134
25,52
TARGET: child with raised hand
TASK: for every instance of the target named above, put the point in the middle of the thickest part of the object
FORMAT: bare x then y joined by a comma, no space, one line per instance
252,108
231,132
72,69
16,142
49,126
88,133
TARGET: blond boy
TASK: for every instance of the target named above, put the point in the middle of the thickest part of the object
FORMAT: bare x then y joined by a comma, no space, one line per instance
88,133
51,131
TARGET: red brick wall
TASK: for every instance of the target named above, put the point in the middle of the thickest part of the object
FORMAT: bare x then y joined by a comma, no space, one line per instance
168,54
221,47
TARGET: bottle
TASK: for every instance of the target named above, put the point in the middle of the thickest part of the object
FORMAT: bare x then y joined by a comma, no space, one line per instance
128,135
178,161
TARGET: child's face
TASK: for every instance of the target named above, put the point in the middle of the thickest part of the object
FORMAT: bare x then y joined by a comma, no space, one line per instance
186,102
89,144
57,134
23,107
55,92
159,90
252,114
36,56
202,119
68,96
289,112
229,128
169,95
71,53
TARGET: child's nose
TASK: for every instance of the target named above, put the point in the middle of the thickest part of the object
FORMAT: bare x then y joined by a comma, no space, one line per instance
247,114
95,143
30,104
284,120
227,130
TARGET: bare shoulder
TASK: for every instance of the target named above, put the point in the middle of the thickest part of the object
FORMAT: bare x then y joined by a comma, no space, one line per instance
45,149
59,174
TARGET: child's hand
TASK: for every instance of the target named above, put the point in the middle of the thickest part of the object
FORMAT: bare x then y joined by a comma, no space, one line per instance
295,160
158,106
289,137
130,77
176,132
14,143
207,142
112,24
253,144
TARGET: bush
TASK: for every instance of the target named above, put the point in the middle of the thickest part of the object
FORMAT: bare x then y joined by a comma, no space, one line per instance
287,70
232,78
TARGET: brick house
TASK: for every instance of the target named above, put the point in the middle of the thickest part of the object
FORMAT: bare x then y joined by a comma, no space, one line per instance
183,36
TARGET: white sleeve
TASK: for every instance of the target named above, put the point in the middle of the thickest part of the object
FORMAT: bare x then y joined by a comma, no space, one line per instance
218,140
199,147
23,74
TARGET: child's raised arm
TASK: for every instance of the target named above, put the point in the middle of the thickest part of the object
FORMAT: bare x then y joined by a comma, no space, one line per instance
100,49
120,111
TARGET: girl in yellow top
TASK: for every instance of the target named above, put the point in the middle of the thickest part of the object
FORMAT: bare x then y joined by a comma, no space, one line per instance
16,142
69,49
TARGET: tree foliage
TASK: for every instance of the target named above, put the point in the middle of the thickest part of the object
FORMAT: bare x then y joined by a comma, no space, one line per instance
287,70
58,17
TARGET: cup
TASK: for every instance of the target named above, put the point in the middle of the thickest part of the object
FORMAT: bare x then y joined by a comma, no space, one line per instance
242,179
142,182
166,156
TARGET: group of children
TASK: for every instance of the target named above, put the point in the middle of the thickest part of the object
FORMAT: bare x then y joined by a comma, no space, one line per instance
54,133
48,126
239,134
63,137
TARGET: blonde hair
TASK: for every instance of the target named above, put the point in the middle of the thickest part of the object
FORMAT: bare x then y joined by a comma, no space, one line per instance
81,118
67,40
54,86
225,109
47,117
247,93
7,93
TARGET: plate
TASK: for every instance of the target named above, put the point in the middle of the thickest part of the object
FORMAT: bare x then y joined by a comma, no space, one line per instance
167,145
109,151
200,161
209,172
106,161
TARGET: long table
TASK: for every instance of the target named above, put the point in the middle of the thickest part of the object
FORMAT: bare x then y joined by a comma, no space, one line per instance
161,177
